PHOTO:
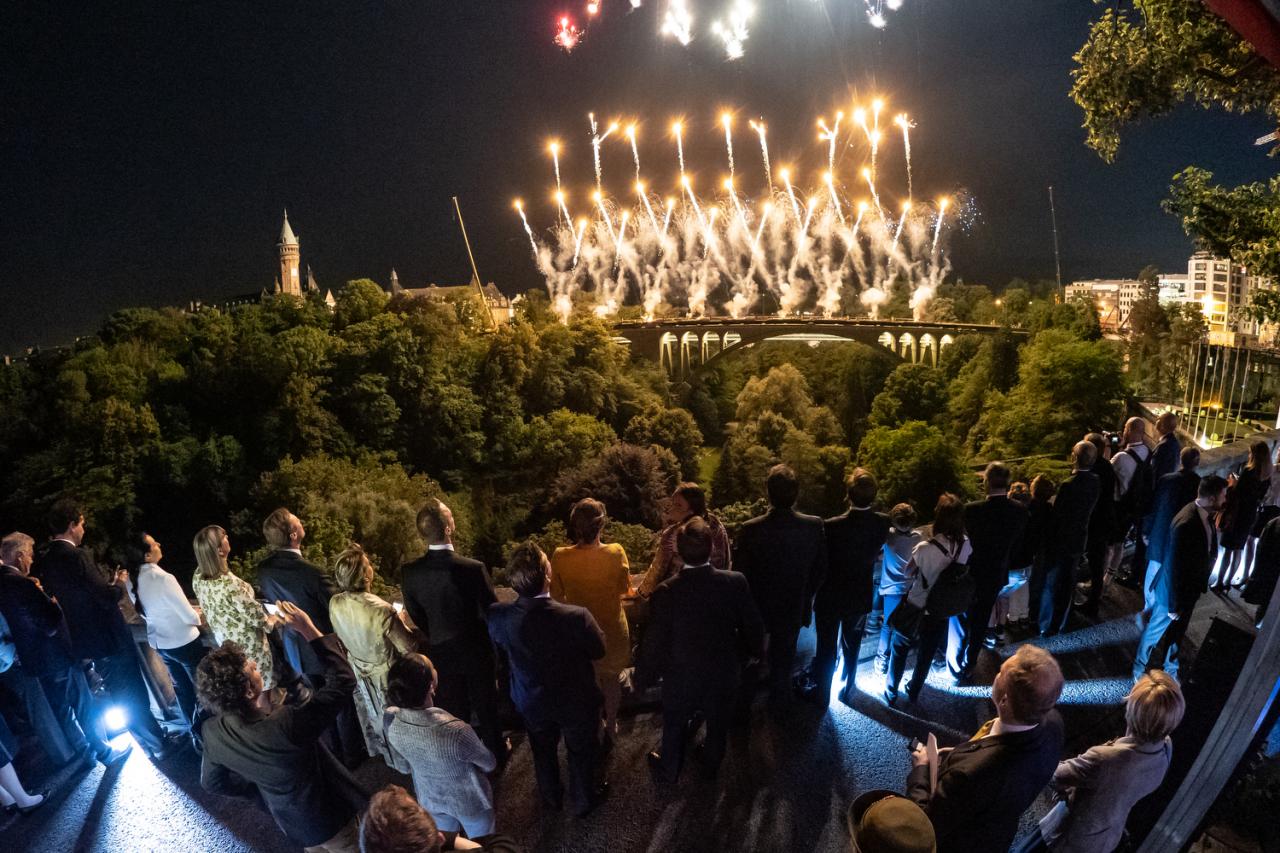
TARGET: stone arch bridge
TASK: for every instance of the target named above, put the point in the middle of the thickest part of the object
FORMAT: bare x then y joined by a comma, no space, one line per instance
685,345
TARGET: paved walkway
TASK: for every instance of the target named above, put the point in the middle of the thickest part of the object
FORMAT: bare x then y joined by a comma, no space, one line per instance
784,787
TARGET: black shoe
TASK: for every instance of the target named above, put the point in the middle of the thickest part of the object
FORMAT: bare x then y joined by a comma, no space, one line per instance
597,797
963,677
1129,582
889,697
12,808
657,769
44,798
815,695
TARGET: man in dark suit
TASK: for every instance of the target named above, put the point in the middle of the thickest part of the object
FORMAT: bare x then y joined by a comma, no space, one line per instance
1189,557
784,557
1102,522
1165,457
1072,508
91,604
704,622
840,609
985,784
1172,493
284,575
550,647
447,597
994,527
278,755
43,648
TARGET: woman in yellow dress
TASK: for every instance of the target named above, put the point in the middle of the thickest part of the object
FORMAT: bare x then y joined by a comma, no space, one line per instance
594,575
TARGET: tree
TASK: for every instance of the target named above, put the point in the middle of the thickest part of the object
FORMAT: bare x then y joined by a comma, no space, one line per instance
359,300
1149,59
631,481
1066,387
782,390
915,463
913,392
1148,333
674,429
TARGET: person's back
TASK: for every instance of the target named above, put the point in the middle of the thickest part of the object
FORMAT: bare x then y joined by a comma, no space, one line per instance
1072,509
88,600
854,541
447,595
1172,493
286,576
994,527
704,624
783,556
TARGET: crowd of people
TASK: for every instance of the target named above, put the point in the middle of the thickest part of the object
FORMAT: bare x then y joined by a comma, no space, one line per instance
284,688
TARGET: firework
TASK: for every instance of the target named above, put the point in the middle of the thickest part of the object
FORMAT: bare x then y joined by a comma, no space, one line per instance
800,249
733,31
678,22
567,34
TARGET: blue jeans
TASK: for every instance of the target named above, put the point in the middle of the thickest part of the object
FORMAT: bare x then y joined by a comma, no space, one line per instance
891,602
1157,624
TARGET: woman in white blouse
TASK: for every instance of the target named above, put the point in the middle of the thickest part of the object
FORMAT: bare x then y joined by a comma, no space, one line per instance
173,625
946,544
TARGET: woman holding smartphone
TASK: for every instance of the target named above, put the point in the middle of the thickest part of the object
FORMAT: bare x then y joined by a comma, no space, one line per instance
229,605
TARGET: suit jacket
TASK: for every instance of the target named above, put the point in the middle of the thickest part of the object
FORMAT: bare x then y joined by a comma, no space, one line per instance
1172,493
1189,559
994,527
310,794
1266,566
286,576
1102,522
783,555
89,600
1072,508
704,623
447,596
550,646
1105,783
985,784
35,622
854,541
1166,457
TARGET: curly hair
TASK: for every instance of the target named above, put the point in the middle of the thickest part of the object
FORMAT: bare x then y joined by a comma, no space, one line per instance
222,684
395,823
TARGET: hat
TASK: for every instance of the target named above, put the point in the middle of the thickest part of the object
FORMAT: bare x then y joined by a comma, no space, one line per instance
885,822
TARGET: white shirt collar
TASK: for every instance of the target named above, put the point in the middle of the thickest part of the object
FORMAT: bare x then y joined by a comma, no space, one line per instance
65,539
297,551
546,594
146,566
1000,727
442,547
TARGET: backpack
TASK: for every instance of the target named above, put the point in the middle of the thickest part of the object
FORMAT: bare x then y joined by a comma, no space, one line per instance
952,590
1137,500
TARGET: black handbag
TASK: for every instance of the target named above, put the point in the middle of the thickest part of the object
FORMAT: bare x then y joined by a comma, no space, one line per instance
905,619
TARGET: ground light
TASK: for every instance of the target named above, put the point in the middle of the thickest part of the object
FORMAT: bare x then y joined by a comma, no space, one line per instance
116,720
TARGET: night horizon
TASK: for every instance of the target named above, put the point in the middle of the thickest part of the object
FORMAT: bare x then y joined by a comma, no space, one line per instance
159,153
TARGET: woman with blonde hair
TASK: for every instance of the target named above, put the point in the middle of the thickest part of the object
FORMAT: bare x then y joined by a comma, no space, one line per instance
229,606
1104,783
595,575
1236,522
375,637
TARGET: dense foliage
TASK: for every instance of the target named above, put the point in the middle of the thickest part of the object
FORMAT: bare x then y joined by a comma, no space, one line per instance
354,417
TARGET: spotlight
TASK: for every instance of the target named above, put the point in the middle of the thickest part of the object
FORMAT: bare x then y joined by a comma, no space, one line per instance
116,720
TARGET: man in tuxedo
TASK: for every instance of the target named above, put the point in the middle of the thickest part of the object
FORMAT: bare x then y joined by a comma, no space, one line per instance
1072,508
1172,493
447,596
285,575
1189,557
994,527
550,647
704,622
840,609
278,755
43,648
91,605
985,784
784,557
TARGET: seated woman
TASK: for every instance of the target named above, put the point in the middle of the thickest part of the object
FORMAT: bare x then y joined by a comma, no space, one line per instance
447,760
594,575
1105,782
374,636
230,608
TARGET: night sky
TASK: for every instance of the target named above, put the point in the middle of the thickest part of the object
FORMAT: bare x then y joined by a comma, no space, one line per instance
148,149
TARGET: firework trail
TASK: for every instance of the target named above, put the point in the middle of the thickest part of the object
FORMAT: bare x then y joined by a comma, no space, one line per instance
758,127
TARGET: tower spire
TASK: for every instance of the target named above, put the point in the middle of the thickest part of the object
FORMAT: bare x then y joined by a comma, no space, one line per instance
288,250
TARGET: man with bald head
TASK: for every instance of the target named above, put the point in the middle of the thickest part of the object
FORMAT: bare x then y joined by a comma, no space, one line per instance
985,784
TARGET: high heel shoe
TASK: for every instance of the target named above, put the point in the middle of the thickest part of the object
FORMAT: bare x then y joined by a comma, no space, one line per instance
44,798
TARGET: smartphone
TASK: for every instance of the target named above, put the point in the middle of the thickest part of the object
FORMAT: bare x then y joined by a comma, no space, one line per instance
271,608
